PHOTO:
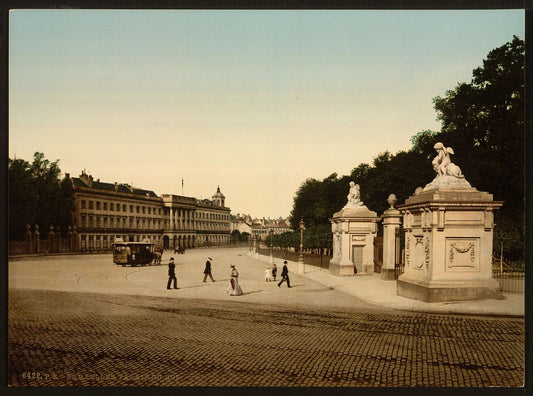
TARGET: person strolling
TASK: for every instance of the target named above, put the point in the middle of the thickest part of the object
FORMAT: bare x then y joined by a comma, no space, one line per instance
285,275
234,289
172,274
207,270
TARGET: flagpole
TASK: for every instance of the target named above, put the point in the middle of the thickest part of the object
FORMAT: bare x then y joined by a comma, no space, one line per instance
182,186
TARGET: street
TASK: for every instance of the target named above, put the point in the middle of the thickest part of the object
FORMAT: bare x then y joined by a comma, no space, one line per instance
62,333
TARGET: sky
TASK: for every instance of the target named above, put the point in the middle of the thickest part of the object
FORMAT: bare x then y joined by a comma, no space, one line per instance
255,102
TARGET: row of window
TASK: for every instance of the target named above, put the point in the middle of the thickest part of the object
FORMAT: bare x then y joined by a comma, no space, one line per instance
118,207
119,222
106,241
89,221
212,216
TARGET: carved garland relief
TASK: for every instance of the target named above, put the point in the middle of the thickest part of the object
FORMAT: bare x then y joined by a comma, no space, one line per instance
462,254
470,247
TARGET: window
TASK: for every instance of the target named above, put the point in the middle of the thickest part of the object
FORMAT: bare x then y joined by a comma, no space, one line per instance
111,206
97,205
105,205
131,208
83,204
90,204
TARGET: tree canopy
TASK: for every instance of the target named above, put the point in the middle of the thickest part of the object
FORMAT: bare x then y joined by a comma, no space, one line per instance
38,196
483,121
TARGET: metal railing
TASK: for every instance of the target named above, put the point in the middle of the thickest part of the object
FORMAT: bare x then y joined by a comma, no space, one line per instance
315,260
510,278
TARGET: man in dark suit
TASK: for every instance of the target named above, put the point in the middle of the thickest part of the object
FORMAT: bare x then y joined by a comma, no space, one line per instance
172,274
207,270
285,275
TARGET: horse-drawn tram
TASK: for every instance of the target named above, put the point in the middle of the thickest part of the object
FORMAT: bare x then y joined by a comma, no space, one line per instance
133,253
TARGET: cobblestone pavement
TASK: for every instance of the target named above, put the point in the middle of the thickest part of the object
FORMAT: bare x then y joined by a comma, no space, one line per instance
60,338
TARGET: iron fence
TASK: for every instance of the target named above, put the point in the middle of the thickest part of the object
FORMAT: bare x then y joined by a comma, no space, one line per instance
315,260
511,276
510,281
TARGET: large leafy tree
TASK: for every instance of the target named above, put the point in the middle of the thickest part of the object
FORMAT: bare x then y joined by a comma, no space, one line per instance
22,197
483,121
38,196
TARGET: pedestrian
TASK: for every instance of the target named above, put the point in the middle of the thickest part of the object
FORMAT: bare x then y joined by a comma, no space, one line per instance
268,274
207,270
172,274
274,271
234,289
285,275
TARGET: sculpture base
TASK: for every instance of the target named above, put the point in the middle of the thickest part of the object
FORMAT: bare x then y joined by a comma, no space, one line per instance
341,269
387,274
442,293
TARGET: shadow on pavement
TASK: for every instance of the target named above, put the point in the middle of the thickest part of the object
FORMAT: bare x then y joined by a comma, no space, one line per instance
252,292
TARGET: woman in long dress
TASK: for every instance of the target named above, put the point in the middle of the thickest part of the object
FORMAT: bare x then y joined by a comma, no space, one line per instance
234,289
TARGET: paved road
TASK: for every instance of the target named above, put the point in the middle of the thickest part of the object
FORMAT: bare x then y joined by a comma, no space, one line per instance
97,273
64,334
81,339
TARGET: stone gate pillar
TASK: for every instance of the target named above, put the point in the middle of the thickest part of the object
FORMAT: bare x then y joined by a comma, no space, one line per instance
28,239
50,240
37,239
354,230
448,238
70,240
58,238
392,219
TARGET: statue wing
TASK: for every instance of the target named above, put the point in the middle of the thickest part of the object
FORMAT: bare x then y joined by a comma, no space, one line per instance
449,150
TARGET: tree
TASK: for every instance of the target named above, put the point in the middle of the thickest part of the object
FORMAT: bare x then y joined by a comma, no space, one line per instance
245,236
484,122
37,196
235,236
22,198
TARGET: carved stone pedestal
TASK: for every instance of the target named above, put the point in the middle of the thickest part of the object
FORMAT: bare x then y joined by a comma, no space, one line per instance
448,245
354,230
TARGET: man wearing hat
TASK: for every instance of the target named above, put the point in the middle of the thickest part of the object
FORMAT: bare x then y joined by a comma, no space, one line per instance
172,274
207,270
285,275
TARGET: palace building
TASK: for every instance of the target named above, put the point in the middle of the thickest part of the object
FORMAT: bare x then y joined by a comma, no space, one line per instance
105,211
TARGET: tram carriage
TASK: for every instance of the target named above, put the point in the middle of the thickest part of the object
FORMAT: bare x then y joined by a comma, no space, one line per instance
133,253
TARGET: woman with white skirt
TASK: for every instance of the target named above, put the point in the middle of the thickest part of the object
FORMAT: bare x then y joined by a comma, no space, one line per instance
234,289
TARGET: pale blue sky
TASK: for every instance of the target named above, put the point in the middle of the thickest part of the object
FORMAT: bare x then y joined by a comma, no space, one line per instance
253,101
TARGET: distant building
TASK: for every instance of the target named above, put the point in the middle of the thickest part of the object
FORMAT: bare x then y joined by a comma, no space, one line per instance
261,228
241,223
105,211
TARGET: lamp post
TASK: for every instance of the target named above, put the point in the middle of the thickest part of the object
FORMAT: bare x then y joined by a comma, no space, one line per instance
301,264
271,255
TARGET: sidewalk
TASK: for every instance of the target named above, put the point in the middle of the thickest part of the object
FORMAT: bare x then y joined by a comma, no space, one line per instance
373,290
